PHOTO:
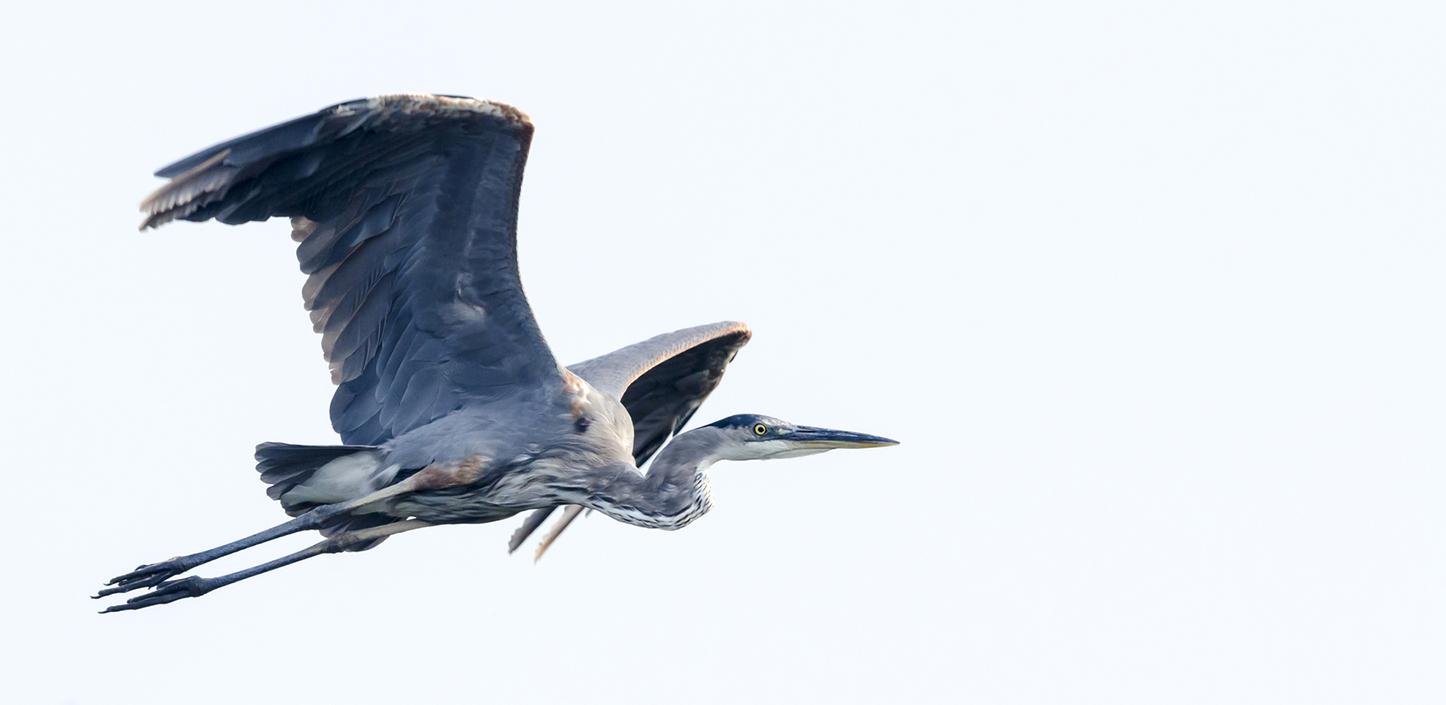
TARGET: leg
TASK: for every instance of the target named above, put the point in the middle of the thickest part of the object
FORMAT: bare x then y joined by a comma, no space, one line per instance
196,586
156,573
567,516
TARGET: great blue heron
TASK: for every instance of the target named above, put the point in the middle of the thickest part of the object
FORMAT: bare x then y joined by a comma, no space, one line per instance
450,403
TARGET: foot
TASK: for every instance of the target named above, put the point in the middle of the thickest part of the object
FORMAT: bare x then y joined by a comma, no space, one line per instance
166,592
146,576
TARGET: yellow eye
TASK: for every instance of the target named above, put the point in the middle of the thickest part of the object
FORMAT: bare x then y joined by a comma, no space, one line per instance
759,429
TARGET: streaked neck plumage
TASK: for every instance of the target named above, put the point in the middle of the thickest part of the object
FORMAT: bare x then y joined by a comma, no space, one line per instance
673,493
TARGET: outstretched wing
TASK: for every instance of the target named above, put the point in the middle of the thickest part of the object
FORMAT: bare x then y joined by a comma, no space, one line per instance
405,211
661,381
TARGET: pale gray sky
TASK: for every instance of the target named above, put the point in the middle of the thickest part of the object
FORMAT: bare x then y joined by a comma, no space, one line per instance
1151,293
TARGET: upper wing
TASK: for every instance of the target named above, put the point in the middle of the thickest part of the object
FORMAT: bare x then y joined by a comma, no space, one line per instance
661,381
405,211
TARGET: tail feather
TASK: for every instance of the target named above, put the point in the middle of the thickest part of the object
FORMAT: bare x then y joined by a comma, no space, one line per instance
302,477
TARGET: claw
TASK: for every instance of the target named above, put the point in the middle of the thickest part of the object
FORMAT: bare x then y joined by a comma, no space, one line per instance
144,576
164,593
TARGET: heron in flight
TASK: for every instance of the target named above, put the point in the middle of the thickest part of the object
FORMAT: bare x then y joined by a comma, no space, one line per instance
451,407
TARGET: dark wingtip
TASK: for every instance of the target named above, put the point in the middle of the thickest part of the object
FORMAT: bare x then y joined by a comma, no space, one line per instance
529,525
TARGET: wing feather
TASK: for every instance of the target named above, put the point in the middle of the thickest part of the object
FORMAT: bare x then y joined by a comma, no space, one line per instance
404,209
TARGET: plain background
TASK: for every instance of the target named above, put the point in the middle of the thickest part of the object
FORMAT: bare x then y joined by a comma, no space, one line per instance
1150,292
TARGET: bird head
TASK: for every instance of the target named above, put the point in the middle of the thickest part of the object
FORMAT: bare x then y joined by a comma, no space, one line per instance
756,437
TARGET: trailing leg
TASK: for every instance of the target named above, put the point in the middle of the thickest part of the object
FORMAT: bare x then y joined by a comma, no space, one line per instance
196,586
156,573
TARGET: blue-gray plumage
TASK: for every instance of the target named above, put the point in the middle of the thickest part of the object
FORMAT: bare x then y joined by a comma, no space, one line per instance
449,402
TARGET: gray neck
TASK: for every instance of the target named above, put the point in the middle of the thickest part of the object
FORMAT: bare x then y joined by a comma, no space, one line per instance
672,494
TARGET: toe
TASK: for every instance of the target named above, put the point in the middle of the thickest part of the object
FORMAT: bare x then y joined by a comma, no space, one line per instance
143,577
164,593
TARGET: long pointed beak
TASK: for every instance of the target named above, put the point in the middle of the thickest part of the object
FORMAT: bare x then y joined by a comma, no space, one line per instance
823,438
